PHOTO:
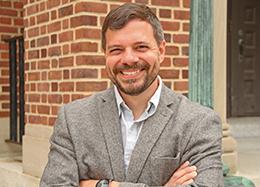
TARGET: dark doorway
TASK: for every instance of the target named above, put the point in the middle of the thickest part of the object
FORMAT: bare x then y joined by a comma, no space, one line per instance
243,50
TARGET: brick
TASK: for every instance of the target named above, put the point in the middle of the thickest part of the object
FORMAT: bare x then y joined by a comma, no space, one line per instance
52,121
90,60
43,64
91,7
180,38
186,27
54,98
43,53
186,3
4,80
84,73
42,6
142,1
54,27
54,110
8,29
43,41
83,20
66,98
32,9
66,36
171,3
43,18
181,62
185,74
35,98
33,65
55,75
5,105
4,113
18,22
32,21
33,54
77,96
54,51
172,50
88,33
33,32
66,62
18,5
33,76
90,86
165,13
53,15
8,12
185,51
66,87
181,15
84,47
52,3
5,55
181,85
43,29
4,20
43,109
38,120
43,75
4,46
168,84
44,98
43,87
104,74
166,62
32,87
5,4
65,49
53,38
65,11
65,24
170,25
54,63
54,86
66,74
169,74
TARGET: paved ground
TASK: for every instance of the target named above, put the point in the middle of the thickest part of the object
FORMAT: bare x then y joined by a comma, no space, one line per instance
246,131
249,158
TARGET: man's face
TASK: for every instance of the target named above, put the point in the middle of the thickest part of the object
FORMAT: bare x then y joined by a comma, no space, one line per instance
133,57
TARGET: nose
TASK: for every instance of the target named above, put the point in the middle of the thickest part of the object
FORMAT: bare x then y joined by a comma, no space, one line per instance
129,57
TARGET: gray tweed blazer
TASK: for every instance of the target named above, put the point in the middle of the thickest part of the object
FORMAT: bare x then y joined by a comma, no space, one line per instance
87,143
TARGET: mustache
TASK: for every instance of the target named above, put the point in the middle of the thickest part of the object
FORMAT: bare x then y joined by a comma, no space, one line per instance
138,65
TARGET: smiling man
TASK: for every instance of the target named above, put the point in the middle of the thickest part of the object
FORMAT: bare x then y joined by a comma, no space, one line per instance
139,132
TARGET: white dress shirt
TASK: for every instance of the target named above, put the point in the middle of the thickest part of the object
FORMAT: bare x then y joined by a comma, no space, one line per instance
131,128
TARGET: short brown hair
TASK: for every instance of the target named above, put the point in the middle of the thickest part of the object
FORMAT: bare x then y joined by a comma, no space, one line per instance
119,17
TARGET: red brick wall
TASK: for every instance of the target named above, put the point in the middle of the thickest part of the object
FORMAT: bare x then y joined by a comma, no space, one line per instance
64,60
11,24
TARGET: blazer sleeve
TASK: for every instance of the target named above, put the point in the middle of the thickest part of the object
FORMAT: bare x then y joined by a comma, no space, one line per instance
61,169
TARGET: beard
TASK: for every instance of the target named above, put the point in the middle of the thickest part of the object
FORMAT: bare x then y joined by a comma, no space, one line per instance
134,86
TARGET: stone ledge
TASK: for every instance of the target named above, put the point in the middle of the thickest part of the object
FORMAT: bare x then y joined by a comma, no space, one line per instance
11,174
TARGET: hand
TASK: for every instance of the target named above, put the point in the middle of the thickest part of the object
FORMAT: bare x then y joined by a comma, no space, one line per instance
183,175
92,183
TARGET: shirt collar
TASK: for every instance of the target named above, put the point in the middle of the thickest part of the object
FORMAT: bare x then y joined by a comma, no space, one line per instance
153,101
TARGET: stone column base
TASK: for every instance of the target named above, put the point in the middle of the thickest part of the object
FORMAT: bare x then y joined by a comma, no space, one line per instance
35,149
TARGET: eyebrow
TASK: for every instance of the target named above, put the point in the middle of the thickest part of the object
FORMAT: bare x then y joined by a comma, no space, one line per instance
119,46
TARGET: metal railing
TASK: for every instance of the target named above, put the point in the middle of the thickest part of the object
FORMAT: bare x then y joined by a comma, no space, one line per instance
16,129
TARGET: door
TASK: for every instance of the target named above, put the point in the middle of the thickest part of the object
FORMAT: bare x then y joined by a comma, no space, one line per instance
243,58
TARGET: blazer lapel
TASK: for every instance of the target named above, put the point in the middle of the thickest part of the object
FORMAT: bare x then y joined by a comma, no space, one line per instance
112,132
150,133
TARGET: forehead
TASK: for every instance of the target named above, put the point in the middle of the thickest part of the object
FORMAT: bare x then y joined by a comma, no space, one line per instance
133,31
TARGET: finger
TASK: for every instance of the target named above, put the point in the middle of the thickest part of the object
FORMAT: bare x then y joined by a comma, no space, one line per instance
186,178
184,165
188,182
182,172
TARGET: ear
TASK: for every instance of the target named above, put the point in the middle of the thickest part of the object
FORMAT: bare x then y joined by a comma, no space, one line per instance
162,50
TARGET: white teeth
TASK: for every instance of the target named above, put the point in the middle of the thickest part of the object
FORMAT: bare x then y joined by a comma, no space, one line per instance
130,73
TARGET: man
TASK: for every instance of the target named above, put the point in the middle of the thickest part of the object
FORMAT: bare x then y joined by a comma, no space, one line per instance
139,132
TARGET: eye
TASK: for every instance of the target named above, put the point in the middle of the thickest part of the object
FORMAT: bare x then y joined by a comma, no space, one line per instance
115,51
142,48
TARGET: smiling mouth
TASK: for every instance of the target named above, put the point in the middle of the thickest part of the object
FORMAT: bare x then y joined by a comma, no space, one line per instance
130,72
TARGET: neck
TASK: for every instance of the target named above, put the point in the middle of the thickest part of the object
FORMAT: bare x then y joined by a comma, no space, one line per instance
138,103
